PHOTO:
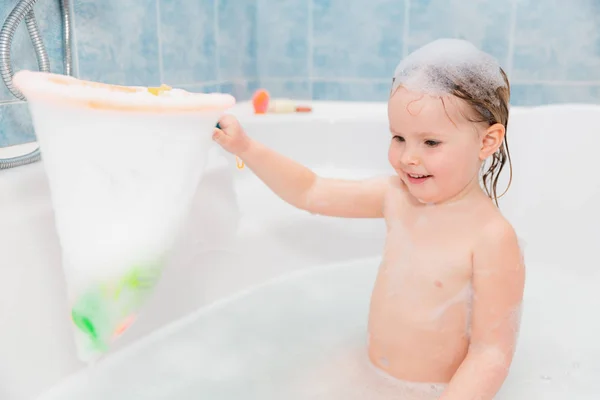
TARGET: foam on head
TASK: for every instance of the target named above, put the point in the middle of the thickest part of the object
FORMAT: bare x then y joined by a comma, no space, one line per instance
439,66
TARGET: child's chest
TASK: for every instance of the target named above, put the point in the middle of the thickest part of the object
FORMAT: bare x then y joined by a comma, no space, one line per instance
429,252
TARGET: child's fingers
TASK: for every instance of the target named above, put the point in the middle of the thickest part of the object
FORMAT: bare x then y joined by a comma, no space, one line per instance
219,136
226,121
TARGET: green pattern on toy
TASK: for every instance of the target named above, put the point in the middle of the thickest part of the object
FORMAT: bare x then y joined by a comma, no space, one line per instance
106,309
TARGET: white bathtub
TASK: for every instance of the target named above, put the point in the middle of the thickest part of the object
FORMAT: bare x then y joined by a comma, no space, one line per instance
240,235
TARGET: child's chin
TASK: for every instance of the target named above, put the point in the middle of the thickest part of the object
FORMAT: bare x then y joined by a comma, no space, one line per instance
425,201
421,194
422,197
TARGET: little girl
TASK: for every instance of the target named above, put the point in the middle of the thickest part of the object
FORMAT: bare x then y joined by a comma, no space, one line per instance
445,307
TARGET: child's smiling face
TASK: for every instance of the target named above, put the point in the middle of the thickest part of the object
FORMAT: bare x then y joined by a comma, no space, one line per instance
435,149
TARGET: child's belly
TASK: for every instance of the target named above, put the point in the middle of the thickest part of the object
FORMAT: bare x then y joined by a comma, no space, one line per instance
419,331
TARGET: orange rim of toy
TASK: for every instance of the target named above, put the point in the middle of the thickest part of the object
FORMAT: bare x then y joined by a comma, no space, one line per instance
239,162
50,87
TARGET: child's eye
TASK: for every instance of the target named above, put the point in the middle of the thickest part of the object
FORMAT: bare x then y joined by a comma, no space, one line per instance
432,143
398,138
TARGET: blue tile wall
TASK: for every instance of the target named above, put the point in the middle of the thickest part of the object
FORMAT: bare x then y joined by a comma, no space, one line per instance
15,122
348,43
117,44
557,42
188,40
283,38
23,57
309,49
237,37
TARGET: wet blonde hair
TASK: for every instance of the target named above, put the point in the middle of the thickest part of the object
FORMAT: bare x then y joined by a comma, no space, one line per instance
489,106
491,109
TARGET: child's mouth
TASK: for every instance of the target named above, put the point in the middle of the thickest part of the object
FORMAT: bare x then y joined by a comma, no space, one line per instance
416,178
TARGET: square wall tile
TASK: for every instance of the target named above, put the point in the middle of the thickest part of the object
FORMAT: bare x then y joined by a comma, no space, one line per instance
116,41
351,90
357,38
282,38
237,39
242,90
16,126
188,41
541,94
291,89
23,56
201,88
557,40
485,23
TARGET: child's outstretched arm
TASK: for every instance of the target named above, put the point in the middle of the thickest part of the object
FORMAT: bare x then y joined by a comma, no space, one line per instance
498,284
297,184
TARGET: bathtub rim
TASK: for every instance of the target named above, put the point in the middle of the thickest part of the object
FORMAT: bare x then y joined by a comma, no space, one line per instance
323,111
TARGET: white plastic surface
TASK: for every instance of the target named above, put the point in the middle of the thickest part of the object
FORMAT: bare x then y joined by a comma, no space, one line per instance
122,166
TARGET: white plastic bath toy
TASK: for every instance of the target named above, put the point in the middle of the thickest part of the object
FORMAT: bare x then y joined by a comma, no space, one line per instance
122,164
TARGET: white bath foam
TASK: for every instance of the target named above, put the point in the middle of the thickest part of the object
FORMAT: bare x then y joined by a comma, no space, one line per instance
438,66
121,178
304,337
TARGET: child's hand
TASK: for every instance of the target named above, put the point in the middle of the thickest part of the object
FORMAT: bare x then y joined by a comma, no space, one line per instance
231,136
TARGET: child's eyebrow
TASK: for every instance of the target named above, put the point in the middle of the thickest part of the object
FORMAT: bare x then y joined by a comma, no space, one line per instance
423,133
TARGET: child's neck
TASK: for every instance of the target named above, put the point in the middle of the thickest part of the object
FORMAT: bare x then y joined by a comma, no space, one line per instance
472,192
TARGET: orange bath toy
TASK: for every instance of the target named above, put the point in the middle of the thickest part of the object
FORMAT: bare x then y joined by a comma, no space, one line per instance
260,101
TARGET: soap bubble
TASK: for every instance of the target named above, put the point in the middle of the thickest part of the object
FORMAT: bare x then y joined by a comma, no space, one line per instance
439,67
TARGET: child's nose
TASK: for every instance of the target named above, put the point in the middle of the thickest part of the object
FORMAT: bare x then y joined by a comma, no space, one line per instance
410,157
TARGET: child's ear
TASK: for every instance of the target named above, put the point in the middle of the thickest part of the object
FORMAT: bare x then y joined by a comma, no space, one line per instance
491,140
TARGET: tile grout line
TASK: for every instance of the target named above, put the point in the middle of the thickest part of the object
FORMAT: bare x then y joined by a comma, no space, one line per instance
255,32
555,83
511,39
353,80
259,64
203,83
310,40
74,49
161,71
217,44
405,31
213,82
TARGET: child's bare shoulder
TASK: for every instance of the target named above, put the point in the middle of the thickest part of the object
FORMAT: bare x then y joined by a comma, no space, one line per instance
497,240
496,226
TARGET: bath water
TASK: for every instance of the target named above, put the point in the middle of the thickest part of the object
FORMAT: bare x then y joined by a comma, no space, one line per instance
303,336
